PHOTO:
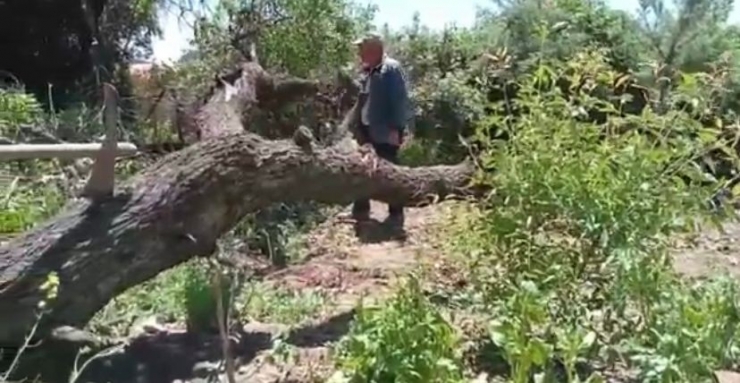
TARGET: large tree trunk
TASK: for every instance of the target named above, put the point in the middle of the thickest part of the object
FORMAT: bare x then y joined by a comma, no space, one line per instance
180,206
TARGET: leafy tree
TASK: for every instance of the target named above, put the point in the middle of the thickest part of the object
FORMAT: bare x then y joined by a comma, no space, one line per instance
57,44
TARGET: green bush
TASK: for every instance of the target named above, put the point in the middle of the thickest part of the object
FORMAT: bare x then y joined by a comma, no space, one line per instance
446,110
17,108
570,252
23,205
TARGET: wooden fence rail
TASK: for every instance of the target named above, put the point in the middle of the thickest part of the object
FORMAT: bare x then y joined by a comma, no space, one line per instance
72,151
102,176
67,151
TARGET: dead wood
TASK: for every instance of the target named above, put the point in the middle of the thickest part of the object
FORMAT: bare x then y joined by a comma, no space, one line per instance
64,152
31,135
234,99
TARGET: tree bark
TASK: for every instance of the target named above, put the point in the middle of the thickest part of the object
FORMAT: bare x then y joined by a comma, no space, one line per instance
177,209
235,97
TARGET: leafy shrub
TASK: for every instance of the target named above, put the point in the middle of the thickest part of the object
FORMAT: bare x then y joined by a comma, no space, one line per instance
17,108
26,196
570,252
446,108
24,205
406,340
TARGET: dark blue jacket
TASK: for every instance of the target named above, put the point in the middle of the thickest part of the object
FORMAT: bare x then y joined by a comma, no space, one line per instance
387,101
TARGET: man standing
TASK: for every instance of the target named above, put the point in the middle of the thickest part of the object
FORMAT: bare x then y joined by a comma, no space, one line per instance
384,112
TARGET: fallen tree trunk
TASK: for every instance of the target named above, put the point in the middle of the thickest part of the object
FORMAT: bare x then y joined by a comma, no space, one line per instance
177,209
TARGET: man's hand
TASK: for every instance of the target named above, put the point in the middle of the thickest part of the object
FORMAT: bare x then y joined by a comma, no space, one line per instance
394,137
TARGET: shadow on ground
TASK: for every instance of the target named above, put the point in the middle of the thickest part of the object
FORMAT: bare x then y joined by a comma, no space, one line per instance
374,231
168,357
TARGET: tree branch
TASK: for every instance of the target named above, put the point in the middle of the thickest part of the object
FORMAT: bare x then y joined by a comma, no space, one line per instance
178,208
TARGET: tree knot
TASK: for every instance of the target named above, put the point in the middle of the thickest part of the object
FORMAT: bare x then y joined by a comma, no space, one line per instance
303,137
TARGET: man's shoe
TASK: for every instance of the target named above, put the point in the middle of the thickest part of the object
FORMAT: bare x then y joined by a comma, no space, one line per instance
395,221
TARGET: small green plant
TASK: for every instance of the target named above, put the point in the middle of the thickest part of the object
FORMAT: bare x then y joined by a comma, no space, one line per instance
519,333
406,341
276,231
199,299
17,108
24,204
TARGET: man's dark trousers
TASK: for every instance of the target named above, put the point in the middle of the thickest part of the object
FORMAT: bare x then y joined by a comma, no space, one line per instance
389,153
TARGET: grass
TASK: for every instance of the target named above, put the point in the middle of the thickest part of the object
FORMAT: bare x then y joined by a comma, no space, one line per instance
268,304
184,294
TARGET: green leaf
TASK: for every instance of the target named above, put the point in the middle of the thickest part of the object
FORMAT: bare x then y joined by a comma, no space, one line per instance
588,340
539,352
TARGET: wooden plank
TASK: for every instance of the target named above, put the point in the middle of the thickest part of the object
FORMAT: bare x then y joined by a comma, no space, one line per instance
726,377
60,151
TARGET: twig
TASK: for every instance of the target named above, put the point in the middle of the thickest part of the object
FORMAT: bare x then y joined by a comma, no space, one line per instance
26,344
222,328
77,372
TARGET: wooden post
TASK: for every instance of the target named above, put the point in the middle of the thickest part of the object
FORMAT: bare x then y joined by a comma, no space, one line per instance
102,178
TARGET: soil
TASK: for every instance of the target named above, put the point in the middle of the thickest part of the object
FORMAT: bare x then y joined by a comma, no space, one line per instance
348,261
712,252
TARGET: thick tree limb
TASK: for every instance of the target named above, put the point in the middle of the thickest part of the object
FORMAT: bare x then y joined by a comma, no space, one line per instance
177,209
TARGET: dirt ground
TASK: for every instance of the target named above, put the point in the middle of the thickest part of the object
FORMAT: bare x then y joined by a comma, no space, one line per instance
712,252
348,262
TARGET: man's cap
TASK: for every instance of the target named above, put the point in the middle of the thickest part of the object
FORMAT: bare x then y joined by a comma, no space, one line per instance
369,38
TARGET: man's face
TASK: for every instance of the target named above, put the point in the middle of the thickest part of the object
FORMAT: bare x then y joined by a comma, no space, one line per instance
370,53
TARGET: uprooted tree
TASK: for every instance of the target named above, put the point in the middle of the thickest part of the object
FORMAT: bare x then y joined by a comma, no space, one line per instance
106,242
